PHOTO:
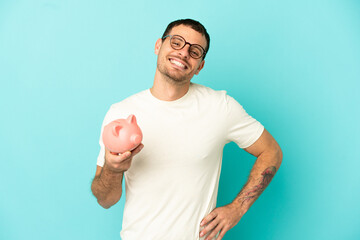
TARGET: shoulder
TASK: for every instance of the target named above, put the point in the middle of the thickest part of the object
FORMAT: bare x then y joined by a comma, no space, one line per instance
125,107
208,92
218,100
129,100
214,97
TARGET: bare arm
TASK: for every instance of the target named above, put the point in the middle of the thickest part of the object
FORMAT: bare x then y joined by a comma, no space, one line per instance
269,157
107,184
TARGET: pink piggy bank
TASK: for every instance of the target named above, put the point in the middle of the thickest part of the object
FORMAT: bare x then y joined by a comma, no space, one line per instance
122,135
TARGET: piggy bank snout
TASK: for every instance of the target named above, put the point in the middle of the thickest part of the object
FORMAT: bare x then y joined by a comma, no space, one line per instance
136,139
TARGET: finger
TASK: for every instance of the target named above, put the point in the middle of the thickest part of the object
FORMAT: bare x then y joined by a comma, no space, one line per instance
120,157
208,218
137,149
108,151
209,227
214,232
114,153
123,156
222,232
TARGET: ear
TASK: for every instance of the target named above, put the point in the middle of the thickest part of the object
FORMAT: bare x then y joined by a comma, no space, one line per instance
116,130
200,67
131,119
158,46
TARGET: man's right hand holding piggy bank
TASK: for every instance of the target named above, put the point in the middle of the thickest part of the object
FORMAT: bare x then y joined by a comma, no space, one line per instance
122,139
120,162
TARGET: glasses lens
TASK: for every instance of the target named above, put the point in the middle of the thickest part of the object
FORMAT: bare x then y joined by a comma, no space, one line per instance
196,51
177,42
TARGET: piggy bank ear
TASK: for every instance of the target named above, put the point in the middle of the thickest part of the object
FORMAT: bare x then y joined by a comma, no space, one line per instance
116,130
131,119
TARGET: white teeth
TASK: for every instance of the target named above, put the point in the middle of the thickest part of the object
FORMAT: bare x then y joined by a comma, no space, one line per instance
177,63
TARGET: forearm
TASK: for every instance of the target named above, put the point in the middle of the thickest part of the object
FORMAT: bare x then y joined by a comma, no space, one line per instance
107,187
261,175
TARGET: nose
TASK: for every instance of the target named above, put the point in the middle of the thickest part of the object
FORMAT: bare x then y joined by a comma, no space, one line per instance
185,51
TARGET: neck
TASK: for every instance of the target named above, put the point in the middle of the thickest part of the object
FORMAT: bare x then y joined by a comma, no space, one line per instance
168,90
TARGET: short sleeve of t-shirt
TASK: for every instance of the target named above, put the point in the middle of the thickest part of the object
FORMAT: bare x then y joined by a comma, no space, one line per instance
100,159
243,129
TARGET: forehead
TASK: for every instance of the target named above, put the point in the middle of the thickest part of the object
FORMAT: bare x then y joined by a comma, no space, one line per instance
189,34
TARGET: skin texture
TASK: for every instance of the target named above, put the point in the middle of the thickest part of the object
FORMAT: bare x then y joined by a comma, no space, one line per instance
107,184
269,157
171,82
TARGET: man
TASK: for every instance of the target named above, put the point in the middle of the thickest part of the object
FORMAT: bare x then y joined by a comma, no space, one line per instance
172,182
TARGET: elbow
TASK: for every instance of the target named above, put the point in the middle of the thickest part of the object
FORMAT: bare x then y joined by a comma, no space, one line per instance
107,203
279,156
105,200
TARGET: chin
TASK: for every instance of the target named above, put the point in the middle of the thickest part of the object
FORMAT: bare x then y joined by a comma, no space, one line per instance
174,76
178,80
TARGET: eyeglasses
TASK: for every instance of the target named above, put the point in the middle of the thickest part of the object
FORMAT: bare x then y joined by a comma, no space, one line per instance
178,42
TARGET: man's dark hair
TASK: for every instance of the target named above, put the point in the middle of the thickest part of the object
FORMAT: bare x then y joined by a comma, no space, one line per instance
197,26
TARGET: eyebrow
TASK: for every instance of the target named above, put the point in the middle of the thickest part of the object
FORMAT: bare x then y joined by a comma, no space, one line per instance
187,41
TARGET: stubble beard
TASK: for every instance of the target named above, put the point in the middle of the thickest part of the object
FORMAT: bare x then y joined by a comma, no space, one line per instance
172,77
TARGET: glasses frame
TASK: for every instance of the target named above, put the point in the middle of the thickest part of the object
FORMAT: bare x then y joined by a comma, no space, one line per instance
171,36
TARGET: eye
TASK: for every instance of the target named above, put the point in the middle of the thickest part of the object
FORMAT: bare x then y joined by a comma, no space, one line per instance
196,52
177,42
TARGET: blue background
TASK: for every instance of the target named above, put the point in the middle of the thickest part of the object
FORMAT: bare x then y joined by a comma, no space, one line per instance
293,65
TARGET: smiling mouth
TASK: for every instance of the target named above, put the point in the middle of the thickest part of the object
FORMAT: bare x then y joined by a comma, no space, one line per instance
177,63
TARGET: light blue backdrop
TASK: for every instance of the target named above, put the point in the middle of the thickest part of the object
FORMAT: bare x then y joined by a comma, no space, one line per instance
293,65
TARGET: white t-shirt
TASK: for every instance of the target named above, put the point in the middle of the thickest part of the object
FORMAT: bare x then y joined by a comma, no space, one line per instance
172,183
